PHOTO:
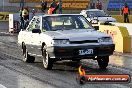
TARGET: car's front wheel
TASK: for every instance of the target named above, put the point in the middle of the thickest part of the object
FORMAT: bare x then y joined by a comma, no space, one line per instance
26,57
103,61
47,61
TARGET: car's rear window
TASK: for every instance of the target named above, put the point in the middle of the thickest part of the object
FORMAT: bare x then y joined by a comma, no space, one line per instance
96,14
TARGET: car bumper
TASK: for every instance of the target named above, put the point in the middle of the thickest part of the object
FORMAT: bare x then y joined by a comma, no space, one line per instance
72,52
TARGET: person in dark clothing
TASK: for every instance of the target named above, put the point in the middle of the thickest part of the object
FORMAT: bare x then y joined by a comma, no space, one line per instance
54,5
43,6
92,5
125,13
33,12
99,5
25,15
60,6
21,19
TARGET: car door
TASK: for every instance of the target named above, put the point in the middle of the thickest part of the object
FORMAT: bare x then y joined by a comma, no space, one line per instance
35,42
26,37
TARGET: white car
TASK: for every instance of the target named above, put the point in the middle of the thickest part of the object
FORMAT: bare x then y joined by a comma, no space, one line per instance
64,37
100,15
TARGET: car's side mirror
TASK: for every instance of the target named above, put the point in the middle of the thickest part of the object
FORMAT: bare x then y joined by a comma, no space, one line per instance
36,31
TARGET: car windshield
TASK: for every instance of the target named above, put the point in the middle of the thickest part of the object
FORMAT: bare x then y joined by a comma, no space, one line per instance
96,14
66,22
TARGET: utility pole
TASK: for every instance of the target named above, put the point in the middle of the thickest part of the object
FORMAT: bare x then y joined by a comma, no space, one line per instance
3,5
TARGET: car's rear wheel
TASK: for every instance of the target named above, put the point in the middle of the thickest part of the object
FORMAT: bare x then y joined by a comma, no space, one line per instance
47,61
26,57
103,61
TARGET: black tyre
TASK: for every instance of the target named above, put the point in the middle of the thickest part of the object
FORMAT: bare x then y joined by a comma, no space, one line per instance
47,61
103,62
26,57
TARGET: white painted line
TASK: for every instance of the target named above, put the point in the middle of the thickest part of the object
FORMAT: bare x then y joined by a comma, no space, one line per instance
2,86
39,55
30,53
33,54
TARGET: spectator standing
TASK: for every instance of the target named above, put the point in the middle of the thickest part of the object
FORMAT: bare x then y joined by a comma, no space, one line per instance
126,12
43,6
25,15
99,5
60,6
53,5
21,19
92,5
50,10
33,12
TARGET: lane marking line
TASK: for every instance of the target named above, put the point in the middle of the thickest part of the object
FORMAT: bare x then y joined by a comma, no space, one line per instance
2,86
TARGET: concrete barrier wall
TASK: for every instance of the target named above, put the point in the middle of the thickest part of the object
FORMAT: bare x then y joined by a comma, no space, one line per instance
131,42
129,28
120,36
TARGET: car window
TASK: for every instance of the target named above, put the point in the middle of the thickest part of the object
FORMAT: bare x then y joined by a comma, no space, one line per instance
62,22
84,23
45,25
34,24
67,22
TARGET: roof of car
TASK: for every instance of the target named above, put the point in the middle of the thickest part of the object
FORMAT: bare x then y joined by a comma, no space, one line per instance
92,10
59,15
